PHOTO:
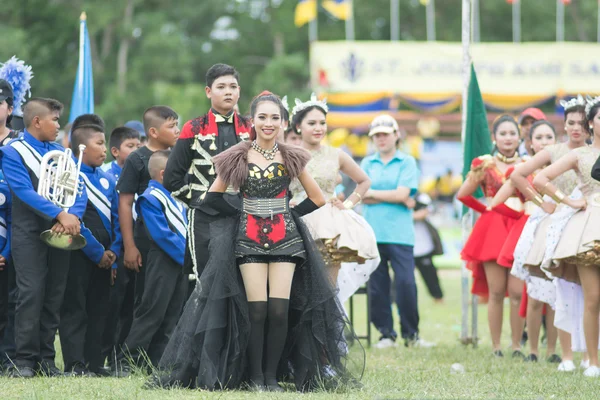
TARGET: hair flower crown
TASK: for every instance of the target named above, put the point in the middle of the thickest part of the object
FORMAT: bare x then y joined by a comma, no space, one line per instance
314,101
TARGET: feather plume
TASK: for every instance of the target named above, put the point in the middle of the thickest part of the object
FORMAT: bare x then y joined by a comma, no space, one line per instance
15,72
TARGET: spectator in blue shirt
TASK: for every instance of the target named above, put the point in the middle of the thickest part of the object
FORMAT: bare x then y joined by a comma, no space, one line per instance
388,207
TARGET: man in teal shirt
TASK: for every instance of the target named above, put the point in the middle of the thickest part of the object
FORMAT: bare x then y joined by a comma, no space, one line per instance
388,209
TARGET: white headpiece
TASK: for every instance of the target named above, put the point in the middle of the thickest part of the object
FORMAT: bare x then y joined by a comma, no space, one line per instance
285,103
591,102
314,101
576,101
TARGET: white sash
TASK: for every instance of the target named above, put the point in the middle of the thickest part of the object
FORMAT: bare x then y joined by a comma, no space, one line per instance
98,199
30,156
172,211
3,228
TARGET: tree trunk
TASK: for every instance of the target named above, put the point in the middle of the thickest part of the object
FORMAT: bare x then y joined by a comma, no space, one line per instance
124,49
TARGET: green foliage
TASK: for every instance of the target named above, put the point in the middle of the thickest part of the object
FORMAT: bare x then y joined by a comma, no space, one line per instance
170,44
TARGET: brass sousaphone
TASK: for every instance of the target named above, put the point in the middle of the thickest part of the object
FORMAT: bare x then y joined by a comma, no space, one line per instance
59,183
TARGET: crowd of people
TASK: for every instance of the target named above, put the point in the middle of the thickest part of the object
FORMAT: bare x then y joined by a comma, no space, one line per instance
536,238
215,256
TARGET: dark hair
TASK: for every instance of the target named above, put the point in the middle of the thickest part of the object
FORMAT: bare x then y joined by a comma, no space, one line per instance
121,134
10,102
288,132
264,96
578,108
83,129
157,162
39,106
219,70
501,119
299,116
539,123
592,113
156,115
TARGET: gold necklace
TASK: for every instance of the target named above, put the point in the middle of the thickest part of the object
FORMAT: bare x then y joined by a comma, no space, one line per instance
507,160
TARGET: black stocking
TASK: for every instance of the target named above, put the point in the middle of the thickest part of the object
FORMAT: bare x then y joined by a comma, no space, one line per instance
276,337
258,314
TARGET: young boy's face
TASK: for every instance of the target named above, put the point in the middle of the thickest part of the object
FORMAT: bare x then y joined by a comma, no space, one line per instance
168,133
127,147
224,93
95,150
47,126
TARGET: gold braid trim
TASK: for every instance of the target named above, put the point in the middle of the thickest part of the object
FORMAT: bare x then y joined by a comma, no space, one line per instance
477,172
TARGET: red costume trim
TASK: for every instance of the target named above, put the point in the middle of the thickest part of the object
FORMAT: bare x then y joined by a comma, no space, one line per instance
207,125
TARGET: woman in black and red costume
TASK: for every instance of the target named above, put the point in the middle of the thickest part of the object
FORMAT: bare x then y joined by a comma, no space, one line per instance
263,266
483,247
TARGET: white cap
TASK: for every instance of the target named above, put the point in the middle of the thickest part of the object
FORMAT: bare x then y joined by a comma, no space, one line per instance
383,124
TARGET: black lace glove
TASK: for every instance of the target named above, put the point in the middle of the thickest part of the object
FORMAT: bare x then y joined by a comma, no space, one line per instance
216,201
305,207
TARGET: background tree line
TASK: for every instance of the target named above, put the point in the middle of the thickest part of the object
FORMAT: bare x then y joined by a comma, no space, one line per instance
157,51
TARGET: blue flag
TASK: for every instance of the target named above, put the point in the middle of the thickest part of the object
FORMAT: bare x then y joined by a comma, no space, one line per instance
83,91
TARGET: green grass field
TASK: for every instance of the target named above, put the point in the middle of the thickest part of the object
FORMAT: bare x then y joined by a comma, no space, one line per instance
399,373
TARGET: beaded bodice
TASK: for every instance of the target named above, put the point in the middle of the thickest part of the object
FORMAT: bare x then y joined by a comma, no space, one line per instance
491,179
324,167
586,157
271,182
567,181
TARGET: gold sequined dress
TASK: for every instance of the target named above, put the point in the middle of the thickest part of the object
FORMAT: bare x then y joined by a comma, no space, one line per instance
566,182
345,235
579,243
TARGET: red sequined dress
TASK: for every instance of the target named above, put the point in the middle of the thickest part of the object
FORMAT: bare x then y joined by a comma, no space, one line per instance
491,229
506,257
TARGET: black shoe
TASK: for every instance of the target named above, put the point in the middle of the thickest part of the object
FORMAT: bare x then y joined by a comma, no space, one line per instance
554,359
498,353
273,386
518,354
531,358
22,372
524,338
49,370
80,370
123,371
104,371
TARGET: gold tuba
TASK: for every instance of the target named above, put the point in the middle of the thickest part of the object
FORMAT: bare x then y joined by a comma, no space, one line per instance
59,183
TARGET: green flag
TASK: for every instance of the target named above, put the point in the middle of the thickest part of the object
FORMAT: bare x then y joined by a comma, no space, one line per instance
477,136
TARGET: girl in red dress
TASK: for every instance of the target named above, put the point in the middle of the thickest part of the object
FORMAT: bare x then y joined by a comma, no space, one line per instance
483,247
542,134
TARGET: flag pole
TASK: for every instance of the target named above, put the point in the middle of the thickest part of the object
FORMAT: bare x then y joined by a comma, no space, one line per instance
516,20
80,75
560,21
430,13
395,20
350,21
313,30
466,72
476,21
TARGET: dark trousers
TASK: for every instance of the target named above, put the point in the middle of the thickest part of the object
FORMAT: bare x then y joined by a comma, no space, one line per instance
83,313
120,314
7,338
199,234
3,300
142,242
159,311
401,259
41,277
429,273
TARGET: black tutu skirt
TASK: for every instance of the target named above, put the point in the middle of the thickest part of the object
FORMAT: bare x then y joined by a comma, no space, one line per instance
207,349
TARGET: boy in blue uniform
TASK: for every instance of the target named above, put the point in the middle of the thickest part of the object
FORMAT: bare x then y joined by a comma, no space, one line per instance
165,286
86,304
123,141
41,271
